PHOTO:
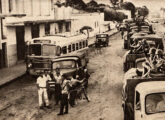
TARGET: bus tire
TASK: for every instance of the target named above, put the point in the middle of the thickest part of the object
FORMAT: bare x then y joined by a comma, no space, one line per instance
125,67
125,46
126,113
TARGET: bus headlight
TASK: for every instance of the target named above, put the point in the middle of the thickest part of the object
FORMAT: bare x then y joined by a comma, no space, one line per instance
29,65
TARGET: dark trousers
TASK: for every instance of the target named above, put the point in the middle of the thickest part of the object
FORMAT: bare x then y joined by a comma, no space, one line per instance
64,103
72,98
85,94
57,93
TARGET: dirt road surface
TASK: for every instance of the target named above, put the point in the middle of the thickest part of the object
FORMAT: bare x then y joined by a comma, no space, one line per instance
19,100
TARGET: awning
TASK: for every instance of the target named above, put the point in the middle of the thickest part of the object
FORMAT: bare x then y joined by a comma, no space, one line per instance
29,22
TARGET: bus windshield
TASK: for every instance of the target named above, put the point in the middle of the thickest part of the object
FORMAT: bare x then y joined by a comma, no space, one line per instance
35,49
45,50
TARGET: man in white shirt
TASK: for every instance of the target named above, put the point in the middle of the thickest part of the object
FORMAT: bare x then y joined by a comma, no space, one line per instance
42,90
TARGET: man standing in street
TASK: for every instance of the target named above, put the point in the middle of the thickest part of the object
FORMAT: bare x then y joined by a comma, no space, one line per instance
42,91
64,97
58,81
86,76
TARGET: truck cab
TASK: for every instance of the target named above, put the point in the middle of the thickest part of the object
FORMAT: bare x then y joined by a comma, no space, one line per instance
143,98
70,65
150,101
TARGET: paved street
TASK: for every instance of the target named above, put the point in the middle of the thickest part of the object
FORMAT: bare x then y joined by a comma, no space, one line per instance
19,100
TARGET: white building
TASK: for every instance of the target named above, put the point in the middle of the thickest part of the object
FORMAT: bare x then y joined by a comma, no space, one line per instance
22,20
93,20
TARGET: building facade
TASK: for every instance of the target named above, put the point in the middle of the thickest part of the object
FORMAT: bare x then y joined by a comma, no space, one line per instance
22,20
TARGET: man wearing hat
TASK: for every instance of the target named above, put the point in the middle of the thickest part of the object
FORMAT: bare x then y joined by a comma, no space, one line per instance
58,81
150,63
160,62
42,91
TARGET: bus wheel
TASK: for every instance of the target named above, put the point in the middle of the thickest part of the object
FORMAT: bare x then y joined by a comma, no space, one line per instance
126,117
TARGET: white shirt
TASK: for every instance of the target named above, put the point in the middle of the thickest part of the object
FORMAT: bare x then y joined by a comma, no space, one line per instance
65,87
41,81
58,78
48,77
74,81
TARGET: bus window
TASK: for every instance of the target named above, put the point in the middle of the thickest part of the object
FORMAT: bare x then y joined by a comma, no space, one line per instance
69,48
86,43
73,47
35,49
76,46
83,44
64,50
80,45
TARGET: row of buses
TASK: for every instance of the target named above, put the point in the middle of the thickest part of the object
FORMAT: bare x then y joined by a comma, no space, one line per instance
41,51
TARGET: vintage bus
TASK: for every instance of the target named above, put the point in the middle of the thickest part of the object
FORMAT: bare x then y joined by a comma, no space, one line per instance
41,51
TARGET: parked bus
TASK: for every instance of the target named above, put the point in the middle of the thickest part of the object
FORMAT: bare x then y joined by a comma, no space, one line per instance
41,51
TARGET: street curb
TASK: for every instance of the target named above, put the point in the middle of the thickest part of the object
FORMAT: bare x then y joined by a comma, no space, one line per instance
12,80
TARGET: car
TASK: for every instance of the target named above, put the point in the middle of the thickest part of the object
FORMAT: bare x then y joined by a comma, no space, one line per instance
102,39
70,65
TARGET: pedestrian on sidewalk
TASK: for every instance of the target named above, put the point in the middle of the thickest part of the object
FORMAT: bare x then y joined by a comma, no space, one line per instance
42,91
58,81
64,97
122,33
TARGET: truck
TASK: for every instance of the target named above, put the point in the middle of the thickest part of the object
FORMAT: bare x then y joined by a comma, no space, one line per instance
144,99
129,58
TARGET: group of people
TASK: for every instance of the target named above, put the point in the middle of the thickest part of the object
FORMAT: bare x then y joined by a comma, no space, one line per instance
140,46
154,63
65,90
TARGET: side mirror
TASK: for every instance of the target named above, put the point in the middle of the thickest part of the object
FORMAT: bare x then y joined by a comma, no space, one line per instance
59,51
138,107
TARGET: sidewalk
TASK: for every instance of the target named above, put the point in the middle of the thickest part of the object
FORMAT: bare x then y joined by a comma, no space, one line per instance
9,74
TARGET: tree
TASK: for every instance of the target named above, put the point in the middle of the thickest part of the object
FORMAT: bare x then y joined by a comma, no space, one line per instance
129,6
92,6
77,4
142,12
112,15
87,28
114,2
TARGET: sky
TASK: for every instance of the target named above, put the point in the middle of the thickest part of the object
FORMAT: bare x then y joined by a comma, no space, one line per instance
153,5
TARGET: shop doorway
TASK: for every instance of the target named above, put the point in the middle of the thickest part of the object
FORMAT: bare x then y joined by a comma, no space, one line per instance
20,32
35,31
3,56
